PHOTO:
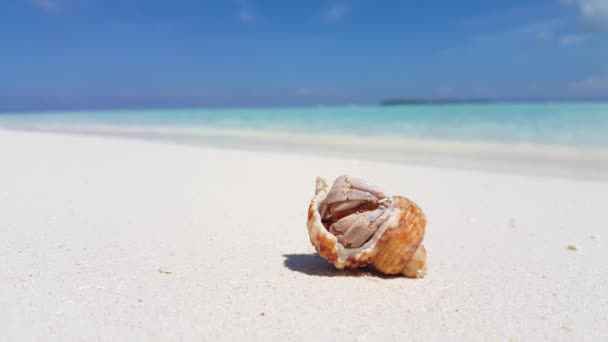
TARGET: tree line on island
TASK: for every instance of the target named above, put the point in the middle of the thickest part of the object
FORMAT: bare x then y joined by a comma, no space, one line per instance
411,102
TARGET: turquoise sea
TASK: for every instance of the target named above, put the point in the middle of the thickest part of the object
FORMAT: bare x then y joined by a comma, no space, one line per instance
561,139
569,124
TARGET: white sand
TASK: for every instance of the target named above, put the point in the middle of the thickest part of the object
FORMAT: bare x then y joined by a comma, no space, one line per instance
86,224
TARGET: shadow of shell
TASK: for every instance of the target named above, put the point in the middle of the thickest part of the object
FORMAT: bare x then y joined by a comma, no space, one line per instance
314,265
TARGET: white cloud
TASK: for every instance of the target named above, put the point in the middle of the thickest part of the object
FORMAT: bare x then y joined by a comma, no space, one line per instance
569,39
546,36
591,86
542,30
336,13
561,39
48,5
444,90
244,12
593,12
316,92
247,17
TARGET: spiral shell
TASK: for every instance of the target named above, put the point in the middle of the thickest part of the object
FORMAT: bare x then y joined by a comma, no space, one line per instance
394,248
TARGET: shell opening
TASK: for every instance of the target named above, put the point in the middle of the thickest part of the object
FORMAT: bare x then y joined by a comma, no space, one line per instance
354,211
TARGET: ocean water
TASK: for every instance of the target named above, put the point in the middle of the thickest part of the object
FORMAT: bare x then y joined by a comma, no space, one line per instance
551,124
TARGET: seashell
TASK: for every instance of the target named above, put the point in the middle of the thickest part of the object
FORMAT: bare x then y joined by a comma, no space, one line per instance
354,224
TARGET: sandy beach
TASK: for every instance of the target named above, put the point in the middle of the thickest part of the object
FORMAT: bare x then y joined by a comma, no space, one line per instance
108,238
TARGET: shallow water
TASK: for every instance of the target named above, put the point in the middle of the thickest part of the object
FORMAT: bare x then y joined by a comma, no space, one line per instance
547,139
565,124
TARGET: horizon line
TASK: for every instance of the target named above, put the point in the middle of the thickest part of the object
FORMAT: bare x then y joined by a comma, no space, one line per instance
389,102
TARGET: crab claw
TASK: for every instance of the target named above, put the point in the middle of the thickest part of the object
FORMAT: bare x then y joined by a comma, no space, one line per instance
358,183
348,193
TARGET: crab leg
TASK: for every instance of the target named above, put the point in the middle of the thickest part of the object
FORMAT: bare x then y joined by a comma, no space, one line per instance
346,188
341,226
347,194
334,215
361,236
353,230
344,206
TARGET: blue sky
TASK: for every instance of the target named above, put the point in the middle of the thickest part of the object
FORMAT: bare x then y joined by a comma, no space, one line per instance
58,54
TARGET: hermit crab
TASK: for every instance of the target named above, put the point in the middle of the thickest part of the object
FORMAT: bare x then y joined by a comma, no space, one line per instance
355,223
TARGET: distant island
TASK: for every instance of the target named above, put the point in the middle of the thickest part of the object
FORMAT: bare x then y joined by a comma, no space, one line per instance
410,102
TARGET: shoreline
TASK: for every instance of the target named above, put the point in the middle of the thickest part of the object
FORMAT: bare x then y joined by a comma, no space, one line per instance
578,162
